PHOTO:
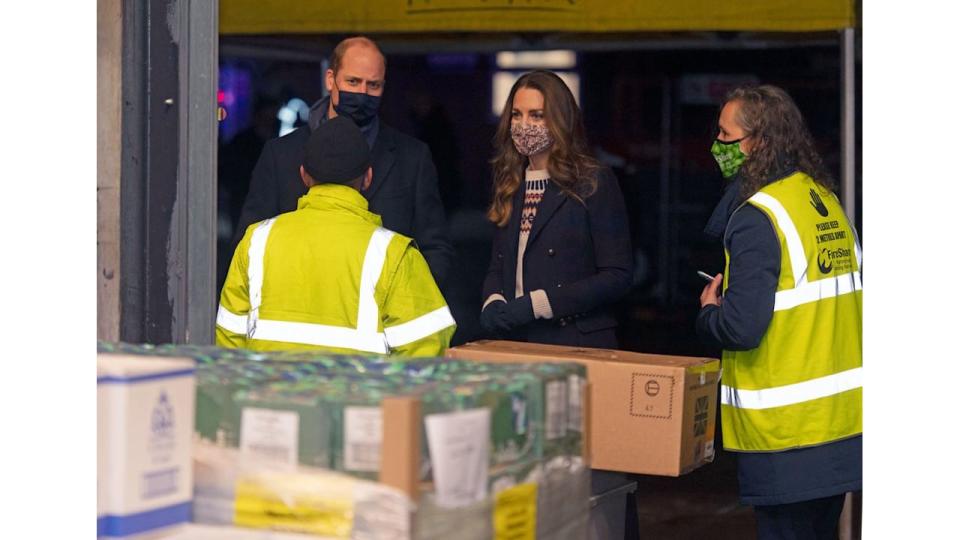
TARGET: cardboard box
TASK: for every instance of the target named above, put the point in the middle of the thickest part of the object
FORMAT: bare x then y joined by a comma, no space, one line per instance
650,414
145,412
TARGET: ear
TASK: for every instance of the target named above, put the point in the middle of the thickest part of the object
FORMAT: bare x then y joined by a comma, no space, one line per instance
367,179
307,181
328,80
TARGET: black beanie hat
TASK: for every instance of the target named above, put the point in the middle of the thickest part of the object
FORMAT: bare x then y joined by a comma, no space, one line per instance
336,152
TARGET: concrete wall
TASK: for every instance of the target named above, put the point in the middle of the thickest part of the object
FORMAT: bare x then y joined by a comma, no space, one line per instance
109,59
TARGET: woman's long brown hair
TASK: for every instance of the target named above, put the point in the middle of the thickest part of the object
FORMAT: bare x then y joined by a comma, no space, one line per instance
780,139
570,164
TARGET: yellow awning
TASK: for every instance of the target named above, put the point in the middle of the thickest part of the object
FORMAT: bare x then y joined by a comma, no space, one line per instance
375,16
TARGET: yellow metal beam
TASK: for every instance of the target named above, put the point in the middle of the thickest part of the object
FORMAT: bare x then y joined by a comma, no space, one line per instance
373,16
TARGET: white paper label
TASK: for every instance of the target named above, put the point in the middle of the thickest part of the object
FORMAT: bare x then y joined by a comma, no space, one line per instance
362,438
708,449
557,405
270,435
575,411
459,444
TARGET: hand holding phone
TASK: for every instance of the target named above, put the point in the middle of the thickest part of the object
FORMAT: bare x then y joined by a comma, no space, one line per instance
711,292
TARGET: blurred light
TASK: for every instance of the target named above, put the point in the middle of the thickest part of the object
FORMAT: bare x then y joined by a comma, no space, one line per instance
503,82
295,109
452,61
234,94
537,60
221,114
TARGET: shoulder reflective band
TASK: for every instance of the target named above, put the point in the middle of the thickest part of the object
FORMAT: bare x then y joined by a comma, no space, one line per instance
258,245
230,321
419,328
798,259
804,291
792,393
368,313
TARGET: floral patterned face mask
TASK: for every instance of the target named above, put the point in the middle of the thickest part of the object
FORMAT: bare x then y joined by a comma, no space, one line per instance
530,139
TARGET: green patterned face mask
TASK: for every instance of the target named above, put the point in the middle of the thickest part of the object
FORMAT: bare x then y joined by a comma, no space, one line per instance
728,156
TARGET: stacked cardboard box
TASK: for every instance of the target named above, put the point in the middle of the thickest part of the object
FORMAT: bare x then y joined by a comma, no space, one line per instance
650,414
144,425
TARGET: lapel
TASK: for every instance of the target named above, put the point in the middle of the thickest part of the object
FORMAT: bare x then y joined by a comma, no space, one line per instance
513,244
552,200
381,160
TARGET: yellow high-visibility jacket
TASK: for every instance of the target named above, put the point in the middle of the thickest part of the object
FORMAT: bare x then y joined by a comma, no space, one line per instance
328,277
802,386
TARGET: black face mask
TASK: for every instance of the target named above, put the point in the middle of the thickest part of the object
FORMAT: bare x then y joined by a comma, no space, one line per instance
359,107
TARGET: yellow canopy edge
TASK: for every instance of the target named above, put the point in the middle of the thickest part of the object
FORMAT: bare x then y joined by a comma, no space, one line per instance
376,16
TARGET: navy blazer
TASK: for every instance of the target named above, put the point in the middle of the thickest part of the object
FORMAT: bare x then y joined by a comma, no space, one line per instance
579,254
403,191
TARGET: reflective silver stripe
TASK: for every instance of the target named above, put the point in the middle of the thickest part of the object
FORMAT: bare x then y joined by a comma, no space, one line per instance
319,334
792,393
798,257
419,328
817,290
368,313
230,321
258,245
856,247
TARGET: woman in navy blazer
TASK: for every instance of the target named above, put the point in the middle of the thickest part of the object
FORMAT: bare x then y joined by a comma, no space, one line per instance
561,252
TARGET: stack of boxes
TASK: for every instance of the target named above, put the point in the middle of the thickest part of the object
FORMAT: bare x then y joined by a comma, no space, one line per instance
473,445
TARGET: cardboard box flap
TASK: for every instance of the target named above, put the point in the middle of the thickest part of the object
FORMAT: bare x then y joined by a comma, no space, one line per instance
124,365
581,353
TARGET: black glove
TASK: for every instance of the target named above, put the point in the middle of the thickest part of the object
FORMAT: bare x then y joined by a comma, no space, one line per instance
493,318
519,312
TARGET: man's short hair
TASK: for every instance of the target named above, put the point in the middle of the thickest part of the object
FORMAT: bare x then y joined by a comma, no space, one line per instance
336,58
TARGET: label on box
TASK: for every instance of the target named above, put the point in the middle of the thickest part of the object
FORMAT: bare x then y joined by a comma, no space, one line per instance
261,505
701,413
362,438
708,450
651,395
270,435
515,513
575,410
459,444
556,418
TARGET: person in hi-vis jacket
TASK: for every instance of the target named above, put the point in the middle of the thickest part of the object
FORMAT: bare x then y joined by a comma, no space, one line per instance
327,275
788,321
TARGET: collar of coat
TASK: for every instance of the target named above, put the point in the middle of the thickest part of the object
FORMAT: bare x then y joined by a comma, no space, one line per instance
338,198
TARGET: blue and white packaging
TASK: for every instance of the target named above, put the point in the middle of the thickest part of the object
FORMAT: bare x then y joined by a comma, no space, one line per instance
145,413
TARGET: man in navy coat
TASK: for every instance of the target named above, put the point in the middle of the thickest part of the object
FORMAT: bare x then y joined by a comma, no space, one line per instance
404,189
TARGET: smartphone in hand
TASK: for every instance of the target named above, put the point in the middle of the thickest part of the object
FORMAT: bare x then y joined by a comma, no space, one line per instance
705,275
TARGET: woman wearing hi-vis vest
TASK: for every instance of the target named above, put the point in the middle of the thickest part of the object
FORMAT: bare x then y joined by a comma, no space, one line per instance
788,320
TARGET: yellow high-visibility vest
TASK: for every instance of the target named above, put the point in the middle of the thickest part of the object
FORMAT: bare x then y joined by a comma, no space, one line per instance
328,277
802,385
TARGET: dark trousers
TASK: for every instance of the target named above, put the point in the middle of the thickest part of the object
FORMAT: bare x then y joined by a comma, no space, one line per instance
808,520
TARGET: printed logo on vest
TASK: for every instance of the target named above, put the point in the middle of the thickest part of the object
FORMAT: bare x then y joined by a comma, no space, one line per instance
817,203
824,262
